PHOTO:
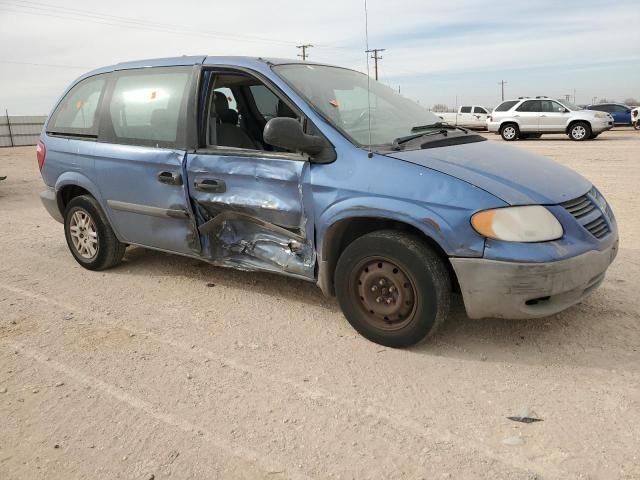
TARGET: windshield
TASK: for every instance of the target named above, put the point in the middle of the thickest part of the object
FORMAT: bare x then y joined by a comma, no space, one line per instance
569,105
340,95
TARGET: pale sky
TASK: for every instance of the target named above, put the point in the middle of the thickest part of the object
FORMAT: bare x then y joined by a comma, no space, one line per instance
435,50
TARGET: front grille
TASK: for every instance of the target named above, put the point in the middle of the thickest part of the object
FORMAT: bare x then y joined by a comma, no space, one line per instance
579,207
598,228
582,206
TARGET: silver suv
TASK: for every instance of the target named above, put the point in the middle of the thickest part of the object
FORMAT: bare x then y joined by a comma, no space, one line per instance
531,117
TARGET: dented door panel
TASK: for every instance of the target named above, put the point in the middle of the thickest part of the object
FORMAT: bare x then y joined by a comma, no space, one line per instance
251,212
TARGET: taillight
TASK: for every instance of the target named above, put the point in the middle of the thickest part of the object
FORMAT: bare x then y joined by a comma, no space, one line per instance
41,153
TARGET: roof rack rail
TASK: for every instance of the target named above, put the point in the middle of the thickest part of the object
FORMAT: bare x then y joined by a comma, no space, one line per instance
542,96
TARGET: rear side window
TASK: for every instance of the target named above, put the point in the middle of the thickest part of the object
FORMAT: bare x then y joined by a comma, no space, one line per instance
77,112
479,110
465,109
145,107
504,106
599,108
530,106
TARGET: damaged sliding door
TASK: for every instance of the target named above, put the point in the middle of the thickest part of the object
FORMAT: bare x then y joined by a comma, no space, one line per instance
251,210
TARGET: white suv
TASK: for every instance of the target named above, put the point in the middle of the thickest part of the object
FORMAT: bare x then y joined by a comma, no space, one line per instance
531,117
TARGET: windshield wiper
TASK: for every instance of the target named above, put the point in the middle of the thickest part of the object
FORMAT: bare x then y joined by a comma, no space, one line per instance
438,125
400,140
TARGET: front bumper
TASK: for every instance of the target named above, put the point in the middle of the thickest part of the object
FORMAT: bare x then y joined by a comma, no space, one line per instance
50,202
601,124
493,126
499,289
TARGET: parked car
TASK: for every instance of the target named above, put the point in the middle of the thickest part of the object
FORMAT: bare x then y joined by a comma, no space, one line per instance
532,117
468,116
390,211
635,118
620,112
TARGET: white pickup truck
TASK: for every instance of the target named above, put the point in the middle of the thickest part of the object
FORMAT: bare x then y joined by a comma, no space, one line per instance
470,116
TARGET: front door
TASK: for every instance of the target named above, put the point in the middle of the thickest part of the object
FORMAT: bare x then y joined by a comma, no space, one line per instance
139,159
251,200
553,117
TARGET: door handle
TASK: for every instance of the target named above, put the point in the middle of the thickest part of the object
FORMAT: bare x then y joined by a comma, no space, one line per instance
517,116
211,185
170,178
543,116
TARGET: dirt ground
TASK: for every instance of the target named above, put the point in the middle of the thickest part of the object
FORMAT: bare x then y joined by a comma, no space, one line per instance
166,367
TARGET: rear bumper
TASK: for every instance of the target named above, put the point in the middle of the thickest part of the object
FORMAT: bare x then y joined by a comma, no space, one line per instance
50,202
493,126
529,290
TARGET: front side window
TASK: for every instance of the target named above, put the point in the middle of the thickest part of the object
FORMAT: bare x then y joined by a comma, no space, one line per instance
77,112
239,106
504,106
145,107
342,97
465,109
549,106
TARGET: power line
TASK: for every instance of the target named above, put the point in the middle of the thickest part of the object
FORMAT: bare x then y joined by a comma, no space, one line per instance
41,9
304,54
375,58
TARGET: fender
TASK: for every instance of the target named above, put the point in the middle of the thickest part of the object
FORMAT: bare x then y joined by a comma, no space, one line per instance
80,180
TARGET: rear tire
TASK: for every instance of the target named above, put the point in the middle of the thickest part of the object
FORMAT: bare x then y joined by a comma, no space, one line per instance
89,236
580,131
393,288
509,132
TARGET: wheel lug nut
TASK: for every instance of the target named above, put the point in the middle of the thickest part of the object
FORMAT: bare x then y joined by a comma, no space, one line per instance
379,300
391,289
374,288
389,300
382,282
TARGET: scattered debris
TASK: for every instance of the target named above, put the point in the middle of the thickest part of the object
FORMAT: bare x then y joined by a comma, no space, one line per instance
189,376
3,390
35,390
513,441
68,316
59,384
132,335
211,284
525,419
526,416
56,446
483,358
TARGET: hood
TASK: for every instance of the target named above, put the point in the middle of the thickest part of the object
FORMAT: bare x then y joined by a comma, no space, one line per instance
512,174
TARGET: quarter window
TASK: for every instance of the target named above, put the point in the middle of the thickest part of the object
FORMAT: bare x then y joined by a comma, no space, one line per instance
145,107
504,106
76,113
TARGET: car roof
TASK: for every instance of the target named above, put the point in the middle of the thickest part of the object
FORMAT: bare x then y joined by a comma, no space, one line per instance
190,60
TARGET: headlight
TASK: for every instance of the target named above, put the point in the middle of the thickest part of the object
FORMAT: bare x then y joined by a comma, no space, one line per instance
602,115
532,223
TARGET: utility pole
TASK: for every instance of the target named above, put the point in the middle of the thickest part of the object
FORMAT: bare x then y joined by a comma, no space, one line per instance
375,58
502,83
304,54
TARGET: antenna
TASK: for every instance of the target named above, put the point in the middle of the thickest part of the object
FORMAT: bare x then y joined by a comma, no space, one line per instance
366,53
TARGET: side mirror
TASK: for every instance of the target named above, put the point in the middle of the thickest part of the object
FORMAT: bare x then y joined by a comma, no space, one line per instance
285,132
564,110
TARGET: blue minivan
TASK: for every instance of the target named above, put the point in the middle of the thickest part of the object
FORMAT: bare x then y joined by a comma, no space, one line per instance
323,174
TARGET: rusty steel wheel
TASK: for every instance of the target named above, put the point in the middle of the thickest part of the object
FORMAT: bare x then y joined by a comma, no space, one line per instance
386,293
393,287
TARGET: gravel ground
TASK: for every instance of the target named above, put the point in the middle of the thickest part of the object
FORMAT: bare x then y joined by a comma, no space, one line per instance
168,367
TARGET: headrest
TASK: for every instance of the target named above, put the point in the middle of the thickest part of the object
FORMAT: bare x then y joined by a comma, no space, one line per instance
228,116
283,110
220,102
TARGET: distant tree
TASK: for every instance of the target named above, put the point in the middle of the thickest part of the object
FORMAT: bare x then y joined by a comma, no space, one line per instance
631,101
439,107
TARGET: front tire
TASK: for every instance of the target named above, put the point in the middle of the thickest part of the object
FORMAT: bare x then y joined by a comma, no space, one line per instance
509,132
89,236
393,288
580,131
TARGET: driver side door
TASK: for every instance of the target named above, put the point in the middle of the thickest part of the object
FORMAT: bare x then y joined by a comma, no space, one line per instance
252,205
